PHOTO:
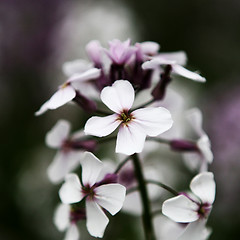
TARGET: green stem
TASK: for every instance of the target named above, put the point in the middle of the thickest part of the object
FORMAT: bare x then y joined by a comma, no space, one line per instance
169,189
147,218
122,164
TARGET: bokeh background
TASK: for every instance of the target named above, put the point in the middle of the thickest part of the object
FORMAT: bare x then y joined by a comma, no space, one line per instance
38,36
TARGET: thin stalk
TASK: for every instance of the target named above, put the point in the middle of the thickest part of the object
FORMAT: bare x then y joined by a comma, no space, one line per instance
169,189
122,164
147,218
160,140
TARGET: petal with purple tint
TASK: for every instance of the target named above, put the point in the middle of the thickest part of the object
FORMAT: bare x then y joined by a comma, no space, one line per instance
180,209
119,96
61,217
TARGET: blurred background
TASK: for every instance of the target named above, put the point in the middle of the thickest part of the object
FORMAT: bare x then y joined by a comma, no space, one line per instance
37,37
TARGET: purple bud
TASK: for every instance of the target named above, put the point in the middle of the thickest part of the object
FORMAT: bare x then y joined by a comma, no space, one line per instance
183,145
88,145
77,214
159,91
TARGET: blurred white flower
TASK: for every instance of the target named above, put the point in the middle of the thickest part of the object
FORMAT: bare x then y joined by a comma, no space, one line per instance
187,208
109,196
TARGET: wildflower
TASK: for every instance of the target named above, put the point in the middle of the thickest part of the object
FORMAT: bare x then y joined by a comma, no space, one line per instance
134,126
97,195
70,150
187,208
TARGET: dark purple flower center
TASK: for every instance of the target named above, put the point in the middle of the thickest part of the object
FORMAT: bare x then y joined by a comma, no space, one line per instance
204,210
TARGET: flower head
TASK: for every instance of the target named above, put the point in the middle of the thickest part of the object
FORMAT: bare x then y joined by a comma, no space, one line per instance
187,208
109,196
134,126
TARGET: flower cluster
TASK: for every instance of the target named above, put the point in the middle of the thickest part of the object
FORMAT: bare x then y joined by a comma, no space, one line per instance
119,77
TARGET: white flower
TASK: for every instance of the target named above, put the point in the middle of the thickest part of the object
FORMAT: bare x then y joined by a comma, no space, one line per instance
68,156
67,91
186,208
134,126
176,60
108,196
201,159
65,219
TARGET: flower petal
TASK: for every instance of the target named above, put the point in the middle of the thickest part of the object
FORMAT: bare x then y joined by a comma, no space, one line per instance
72,233
177,69
110,197
154,121
42,109
130,139
205,147
61,217
179,57
180,209
101,126
194,117
156,62
63,163
97,221
61,97
119,96
70,192
91,168
196,230
203,185
76,66
58,134
87,75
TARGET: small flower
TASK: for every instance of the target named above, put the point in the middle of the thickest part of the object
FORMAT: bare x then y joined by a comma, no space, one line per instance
176,60
67,91
204,156
98,195
120,52
187,208
94,51
66,218
70,150
134,126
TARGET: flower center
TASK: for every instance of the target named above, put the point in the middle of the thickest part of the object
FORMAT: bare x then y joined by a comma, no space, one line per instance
204,210
64,85
89,192
125,117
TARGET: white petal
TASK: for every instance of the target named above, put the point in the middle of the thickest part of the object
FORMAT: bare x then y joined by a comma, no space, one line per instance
177,69
72,233
154,121
194,117
58,134
61,97
42,109
130,139
203,185
179,57
91,168
87,75
101,126
97,221
111,197
76,66
196,230
149,48
119,96
156,62
205,147
180,209
61,217
63,164
70,192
